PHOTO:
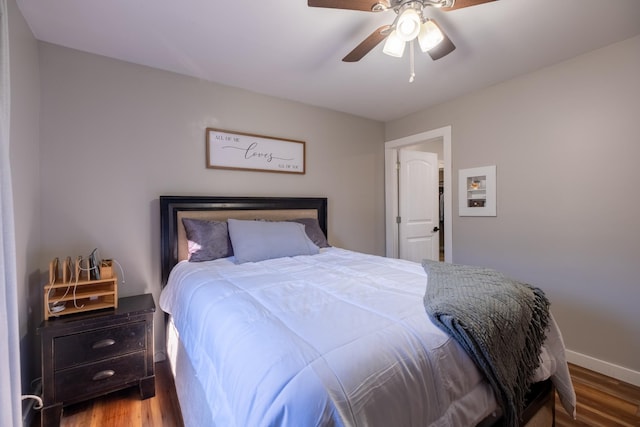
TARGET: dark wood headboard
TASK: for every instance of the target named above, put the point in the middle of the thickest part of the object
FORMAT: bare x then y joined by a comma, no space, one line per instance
173,208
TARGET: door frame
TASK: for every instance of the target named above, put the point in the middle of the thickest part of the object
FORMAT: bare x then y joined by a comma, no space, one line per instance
391,188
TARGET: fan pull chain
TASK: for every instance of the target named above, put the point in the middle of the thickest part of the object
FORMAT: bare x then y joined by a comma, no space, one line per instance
412,75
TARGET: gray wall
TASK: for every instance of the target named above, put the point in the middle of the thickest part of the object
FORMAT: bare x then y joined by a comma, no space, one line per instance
566,146
25,174
115,136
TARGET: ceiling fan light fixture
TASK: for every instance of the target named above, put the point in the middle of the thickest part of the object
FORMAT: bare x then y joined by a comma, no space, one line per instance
379,7
394,46
408,25
430,36
441,3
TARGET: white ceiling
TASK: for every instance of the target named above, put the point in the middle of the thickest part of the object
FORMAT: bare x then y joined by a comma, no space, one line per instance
286,49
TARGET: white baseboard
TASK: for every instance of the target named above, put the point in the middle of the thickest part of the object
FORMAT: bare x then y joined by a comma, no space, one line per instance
614,371
160,356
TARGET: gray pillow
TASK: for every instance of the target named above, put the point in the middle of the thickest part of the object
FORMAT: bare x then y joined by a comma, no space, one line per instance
313,230
208,240
254,241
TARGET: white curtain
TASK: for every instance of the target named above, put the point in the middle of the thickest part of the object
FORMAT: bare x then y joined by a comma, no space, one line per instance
10,402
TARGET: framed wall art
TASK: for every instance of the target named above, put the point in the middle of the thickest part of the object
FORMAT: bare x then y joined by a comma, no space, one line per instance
245,151
477,191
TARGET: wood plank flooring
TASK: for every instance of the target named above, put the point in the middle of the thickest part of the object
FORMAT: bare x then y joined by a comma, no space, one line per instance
602,402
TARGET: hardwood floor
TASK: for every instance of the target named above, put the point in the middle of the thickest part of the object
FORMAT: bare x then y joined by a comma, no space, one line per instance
602,402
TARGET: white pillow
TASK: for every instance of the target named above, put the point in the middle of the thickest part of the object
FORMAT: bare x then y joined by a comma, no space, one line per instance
259,240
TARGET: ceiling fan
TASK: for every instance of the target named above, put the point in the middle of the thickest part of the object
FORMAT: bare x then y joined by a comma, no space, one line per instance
409,24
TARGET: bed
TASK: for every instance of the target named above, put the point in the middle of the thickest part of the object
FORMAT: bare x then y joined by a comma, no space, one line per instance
333,338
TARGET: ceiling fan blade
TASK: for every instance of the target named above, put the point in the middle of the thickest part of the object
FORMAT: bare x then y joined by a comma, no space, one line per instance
365,5
459,4
367,44
443,48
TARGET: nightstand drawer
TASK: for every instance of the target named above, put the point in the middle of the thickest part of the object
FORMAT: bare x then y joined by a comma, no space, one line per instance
97,377
91,346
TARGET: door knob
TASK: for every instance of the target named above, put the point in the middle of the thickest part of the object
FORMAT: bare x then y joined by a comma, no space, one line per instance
435,229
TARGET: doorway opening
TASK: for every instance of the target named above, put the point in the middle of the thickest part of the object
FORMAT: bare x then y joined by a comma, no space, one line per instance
437,140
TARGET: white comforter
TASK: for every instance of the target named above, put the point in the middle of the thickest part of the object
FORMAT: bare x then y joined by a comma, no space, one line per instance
339,338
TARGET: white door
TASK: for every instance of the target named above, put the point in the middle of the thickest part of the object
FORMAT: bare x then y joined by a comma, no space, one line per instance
418,206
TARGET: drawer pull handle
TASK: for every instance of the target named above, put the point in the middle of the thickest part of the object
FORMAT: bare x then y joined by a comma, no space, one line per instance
103,375
103,343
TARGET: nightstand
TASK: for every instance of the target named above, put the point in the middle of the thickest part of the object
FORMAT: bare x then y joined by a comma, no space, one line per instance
90,354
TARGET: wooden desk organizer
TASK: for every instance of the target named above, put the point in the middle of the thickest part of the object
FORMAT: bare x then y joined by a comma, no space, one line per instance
76,290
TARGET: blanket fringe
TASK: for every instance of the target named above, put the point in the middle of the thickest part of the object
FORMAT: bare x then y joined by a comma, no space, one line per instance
501,323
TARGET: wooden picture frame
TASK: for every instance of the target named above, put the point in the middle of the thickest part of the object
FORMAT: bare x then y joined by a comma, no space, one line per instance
249,152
